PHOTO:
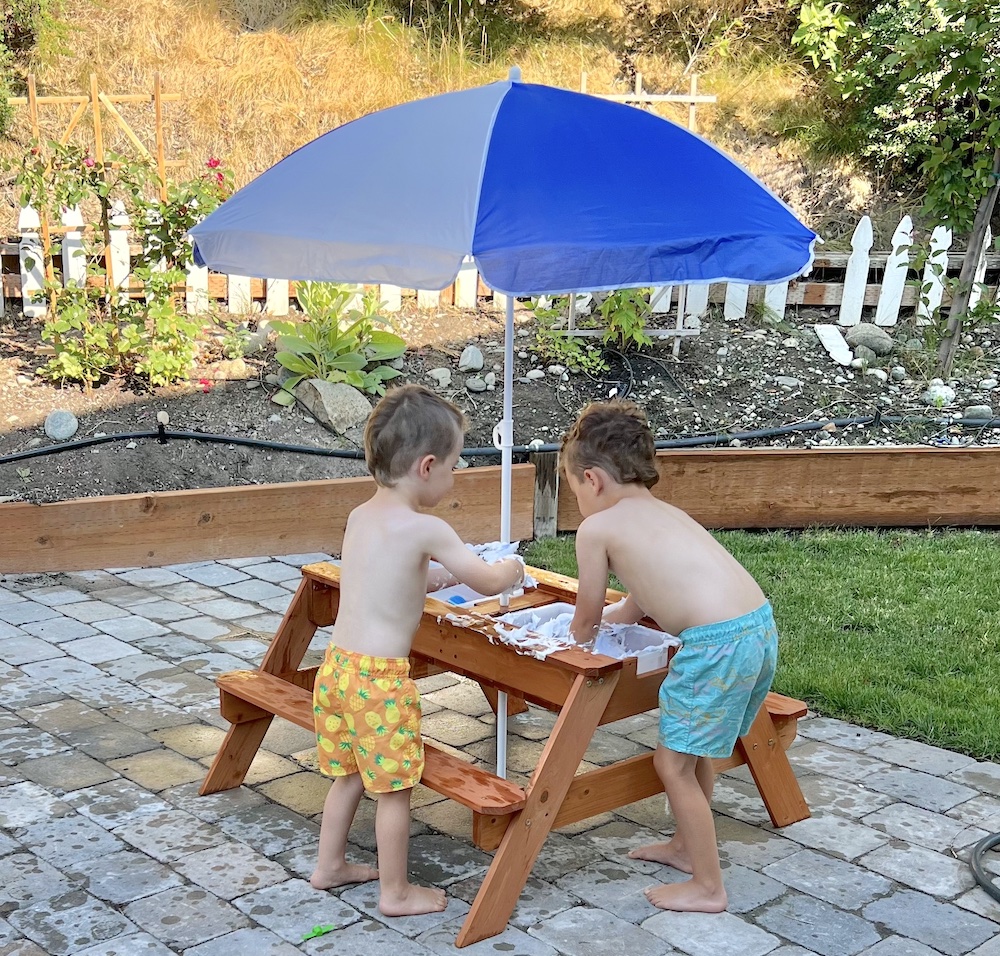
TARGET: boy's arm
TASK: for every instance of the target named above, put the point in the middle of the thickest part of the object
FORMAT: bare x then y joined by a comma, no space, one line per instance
625,611
592,561
438,578
445,546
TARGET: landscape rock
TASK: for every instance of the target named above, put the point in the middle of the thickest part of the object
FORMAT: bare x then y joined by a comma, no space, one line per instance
868,356
978,411
440,376
334,404
475,384
871,336
938,394
988,384
471,359
897,373
535,374
61,425
230,370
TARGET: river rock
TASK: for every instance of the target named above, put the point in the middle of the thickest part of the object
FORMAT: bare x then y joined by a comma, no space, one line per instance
471,359
333,404
978,411
61,425
938,394
440,376
475,384
871,336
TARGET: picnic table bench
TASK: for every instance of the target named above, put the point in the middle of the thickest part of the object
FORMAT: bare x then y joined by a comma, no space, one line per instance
584,689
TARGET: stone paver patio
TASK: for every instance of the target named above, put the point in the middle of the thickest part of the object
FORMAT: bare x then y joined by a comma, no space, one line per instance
109,719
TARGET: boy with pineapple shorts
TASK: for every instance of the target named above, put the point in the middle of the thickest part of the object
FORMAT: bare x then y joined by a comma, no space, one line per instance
366,707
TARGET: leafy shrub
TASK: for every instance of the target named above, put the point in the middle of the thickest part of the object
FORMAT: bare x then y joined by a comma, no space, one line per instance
336,343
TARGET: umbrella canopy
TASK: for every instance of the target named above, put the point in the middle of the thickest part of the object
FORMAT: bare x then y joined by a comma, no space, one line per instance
550,191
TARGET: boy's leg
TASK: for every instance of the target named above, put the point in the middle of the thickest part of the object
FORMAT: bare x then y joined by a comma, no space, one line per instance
672,852
332,868
398,896
704,892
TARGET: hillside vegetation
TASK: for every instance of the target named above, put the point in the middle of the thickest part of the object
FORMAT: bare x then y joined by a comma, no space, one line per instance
261,77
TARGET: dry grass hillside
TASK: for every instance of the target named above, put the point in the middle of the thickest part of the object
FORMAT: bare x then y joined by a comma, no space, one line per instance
261,77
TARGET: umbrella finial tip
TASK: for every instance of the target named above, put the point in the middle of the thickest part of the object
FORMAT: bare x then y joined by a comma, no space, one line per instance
515,74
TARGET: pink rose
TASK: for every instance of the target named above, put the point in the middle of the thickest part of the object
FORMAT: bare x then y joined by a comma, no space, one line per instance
213,163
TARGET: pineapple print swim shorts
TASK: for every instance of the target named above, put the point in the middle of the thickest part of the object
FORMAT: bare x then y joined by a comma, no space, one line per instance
367,714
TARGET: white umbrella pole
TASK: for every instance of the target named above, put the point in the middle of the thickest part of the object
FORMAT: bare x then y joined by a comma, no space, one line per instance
506,466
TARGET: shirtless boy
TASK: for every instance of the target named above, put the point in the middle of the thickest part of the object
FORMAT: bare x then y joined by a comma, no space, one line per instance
677,574
367,707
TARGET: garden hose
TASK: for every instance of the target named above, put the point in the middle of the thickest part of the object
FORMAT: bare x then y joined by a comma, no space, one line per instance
490,451
984,879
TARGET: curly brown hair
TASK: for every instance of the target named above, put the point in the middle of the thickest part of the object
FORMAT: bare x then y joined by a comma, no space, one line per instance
614,436
408,423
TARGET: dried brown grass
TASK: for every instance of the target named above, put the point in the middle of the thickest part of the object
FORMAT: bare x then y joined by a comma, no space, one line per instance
253,97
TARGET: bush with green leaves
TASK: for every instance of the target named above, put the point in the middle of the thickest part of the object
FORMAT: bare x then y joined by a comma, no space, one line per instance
919,80
97,336
554,344
625,313
336,343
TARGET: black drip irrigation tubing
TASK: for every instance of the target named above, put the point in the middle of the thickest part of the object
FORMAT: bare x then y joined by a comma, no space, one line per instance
163,436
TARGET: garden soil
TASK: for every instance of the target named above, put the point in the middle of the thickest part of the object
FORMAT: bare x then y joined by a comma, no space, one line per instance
734,377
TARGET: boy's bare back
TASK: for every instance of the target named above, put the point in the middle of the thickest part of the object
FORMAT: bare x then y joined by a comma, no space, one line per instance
383,578
676,572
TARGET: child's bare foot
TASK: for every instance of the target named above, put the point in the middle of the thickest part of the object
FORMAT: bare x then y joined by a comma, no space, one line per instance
688,897
412,901
329,877
668,853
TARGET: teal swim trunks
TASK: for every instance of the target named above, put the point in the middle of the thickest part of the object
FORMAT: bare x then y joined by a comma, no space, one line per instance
717,681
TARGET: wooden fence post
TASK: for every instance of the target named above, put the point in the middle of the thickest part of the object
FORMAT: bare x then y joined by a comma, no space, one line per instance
695,305
30,256
546,493
196,289
391,296
737,295
467,286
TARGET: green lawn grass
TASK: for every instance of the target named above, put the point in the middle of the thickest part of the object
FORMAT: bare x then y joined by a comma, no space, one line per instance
895,630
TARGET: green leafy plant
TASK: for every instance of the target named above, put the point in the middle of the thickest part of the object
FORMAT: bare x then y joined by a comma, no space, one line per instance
554,344
96,333
625,313
336,343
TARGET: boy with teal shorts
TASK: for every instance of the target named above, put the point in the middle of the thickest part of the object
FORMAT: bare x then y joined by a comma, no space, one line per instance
677,574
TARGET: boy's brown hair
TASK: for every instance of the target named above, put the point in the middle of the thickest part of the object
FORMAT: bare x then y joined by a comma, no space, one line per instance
614,436
408,423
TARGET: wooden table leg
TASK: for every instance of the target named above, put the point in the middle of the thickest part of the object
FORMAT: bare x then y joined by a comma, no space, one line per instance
528,829
313,606
229,769
772,772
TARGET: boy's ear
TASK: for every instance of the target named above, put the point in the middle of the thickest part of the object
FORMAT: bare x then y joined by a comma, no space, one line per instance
424,465
595,477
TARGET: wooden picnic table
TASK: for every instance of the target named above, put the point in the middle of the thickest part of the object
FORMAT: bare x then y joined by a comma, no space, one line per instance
585,690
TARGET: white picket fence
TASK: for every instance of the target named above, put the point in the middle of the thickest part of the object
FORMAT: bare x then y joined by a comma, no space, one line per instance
687,304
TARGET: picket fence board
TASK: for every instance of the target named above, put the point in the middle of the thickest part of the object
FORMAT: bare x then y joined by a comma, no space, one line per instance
276,302
856,277
30,257
239,300
977,280
932,291
660,298
776,299
894,281
695,305
197,289
74,265
737,295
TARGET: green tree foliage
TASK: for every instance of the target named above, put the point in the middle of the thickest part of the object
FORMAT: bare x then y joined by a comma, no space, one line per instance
920,79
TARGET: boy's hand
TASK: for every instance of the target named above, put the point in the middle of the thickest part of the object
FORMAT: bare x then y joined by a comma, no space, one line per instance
518,565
